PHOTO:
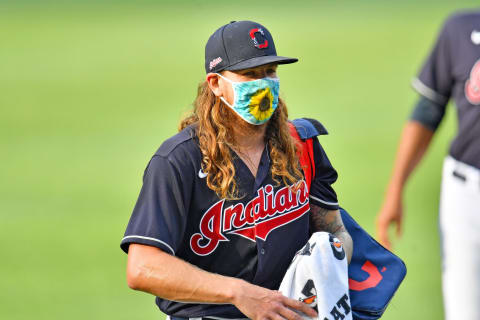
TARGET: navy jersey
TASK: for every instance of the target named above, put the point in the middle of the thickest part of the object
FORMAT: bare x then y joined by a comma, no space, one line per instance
453,70
253,238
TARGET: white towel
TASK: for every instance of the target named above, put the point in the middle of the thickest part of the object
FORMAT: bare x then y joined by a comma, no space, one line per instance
318,276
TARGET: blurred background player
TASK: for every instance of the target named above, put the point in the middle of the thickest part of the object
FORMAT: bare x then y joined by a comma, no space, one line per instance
451,71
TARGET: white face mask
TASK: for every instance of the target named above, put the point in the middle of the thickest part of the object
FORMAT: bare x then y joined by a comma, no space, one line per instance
254,101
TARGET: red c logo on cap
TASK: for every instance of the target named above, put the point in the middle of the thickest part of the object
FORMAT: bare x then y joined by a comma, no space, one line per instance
255,41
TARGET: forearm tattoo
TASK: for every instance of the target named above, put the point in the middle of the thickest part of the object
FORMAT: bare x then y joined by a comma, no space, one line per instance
330,221
325,220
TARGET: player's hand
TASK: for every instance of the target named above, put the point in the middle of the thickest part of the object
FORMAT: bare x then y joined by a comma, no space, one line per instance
259,303
390,213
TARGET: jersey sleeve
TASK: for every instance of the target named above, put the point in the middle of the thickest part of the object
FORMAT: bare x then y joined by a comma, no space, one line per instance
428,113
321,190
160,214
435,79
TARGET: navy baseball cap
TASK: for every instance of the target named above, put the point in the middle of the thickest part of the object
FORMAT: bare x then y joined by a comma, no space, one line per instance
241,45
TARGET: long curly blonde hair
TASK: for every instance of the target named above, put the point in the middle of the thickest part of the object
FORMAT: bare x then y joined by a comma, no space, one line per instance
214,128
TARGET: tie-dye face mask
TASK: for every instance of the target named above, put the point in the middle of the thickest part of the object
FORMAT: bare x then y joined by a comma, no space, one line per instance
254,101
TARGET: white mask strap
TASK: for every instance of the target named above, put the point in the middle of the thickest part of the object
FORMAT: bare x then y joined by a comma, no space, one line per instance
225,101
224,78
231,82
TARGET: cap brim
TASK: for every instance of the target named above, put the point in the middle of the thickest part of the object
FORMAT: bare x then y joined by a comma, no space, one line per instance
260,61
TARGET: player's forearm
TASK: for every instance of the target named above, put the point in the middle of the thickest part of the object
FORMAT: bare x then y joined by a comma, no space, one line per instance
414,142
347,241
151,270
322,219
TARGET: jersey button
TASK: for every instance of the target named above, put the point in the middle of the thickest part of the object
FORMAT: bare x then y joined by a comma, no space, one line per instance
262,251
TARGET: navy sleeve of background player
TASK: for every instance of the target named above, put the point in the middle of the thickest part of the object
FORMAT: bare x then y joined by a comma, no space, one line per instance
428,113
321,191
159,216
435,78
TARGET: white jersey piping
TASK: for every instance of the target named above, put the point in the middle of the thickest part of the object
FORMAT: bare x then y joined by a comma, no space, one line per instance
323,201
152,239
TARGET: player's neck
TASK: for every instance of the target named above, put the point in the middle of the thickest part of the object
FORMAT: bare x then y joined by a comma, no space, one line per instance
249,145
249,137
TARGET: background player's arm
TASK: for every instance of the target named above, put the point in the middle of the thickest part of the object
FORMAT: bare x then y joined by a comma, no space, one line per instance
331,221
434,83
415,139
151,270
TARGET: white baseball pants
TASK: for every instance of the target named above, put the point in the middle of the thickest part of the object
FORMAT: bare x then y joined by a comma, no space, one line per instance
460,236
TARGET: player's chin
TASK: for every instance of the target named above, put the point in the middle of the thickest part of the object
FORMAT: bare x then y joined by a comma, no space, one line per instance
245,127
257,127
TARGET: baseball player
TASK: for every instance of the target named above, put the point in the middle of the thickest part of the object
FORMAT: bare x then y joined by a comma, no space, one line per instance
224,205
451,70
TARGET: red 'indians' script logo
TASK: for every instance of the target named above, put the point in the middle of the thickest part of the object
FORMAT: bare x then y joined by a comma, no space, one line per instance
264,213
472,86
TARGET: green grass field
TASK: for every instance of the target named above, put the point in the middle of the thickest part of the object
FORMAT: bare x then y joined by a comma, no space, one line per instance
89,90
